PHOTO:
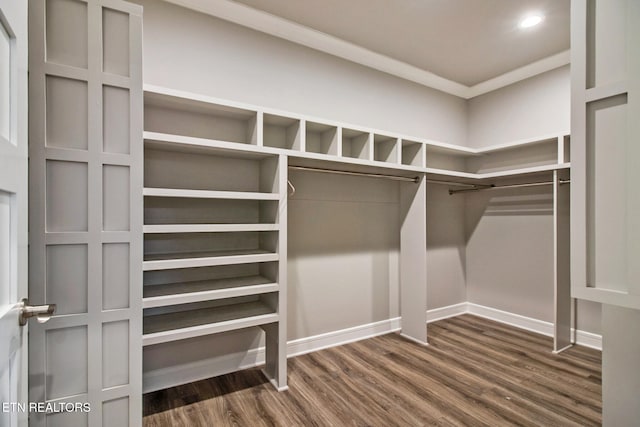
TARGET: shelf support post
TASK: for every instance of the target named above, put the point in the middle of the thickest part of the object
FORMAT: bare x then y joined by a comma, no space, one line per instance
413,260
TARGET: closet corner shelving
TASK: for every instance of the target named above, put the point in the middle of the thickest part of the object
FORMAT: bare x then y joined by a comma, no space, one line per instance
214,237
215,214
212,122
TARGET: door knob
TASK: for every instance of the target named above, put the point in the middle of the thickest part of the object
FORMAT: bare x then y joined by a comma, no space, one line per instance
42,313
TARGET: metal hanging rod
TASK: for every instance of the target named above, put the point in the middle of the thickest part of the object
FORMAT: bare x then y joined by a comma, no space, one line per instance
498,187
415,180
441,182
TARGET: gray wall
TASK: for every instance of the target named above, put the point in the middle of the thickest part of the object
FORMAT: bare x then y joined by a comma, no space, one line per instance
510,234
344,240
537,106
193,52
198,53
510,251
446,248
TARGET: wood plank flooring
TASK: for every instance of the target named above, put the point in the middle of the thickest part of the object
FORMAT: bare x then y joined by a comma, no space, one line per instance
475,372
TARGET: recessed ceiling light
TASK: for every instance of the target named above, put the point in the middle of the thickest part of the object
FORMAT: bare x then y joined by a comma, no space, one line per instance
530,21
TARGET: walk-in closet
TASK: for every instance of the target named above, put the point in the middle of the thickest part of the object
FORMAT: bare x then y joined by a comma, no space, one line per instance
319,213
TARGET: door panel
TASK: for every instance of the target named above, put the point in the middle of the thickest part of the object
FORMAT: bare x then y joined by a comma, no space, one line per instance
13,209
605,203
86,209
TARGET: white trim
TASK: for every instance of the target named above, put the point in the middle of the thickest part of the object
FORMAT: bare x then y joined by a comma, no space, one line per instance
195,371
522,322
542,66
414,340
441,313
343,336
279,27
588,339
583,338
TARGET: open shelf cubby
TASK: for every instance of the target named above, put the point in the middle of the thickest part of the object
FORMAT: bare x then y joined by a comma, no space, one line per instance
187,285
321,138
182,321
357,144
169,211
183,249
282,132
201,174
385,149
543,152
187,117
446,159
413,153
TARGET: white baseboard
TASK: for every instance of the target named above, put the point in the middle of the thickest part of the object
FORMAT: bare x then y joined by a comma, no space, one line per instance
588,339
343,336
522,322
195,371
436,314
584,338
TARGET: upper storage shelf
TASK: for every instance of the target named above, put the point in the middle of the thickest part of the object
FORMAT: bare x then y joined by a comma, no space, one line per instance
208,123
164,113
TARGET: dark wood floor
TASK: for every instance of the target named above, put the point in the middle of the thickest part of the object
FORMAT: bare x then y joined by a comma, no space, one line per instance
475,372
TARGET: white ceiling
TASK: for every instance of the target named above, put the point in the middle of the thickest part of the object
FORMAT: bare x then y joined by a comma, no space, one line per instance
466,41
462,47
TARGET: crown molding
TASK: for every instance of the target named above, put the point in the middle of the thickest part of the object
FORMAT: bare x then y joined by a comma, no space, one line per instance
547,64
279,27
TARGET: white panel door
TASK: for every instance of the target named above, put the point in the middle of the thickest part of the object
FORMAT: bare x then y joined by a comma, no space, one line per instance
605,130
13,210
85,210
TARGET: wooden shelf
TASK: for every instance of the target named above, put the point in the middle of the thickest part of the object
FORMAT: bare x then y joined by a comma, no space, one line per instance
168,261
208,194
205,290
163,328
207,228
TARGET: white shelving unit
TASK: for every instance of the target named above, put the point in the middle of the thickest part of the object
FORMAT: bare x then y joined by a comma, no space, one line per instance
215,213
214,238
307,139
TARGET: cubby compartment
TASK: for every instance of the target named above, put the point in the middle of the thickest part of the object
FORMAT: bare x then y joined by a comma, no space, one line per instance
187,117
445,159
208,170
187,285
413,153
321,138
176,250
357,144
385,149
182,321
282,132
171,211
529,155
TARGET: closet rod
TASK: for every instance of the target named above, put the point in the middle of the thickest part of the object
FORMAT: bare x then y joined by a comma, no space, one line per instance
497,187
415,180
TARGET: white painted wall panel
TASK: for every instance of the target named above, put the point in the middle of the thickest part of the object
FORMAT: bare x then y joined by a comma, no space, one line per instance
510,251
527,109
344,239
446,248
